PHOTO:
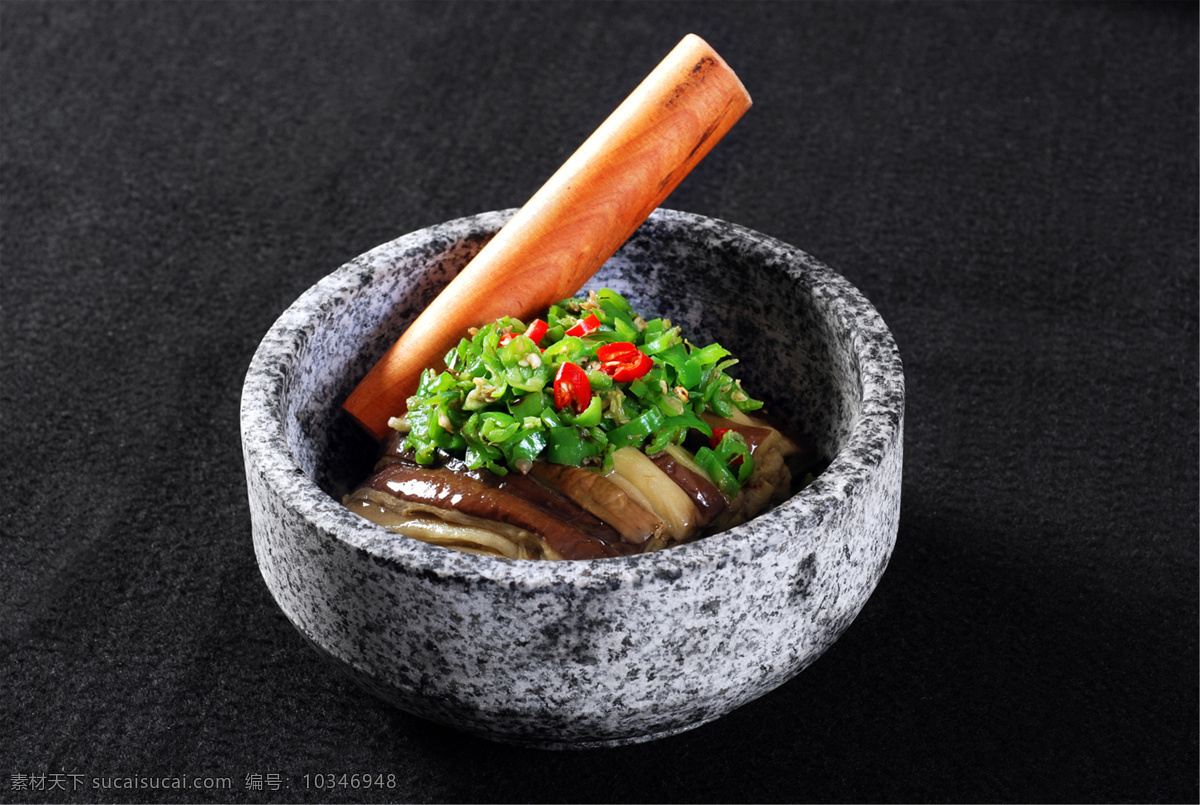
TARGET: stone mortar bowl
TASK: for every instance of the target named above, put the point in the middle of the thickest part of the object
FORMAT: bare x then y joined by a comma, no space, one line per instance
597,652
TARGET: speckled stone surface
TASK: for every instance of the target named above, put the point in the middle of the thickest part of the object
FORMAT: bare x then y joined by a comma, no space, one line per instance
589,653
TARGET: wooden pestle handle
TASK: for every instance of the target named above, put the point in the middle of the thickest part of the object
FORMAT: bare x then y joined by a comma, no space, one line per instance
575,222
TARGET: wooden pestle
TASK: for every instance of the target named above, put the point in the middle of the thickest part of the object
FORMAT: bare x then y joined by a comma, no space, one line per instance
575,222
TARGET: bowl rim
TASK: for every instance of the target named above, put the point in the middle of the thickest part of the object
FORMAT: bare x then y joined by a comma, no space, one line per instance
266,450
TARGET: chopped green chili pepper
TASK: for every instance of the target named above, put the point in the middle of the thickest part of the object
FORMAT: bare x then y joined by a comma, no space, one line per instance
588,378
730,463
526,446
565,446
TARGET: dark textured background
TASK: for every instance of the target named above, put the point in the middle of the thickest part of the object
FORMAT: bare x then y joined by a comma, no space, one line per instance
1013,185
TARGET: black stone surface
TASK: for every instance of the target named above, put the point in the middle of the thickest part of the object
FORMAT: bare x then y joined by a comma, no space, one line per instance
1014,186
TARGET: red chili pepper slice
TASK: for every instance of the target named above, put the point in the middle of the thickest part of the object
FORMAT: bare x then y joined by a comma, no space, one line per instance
623,361
613,351
537,330
572,387
585,326
717,435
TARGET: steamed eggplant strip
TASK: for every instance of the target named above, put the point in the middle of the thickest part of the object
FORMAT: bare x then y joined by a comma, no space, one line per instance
527,486
662,493
630,489
481,537
678,465
604,499
660,538
447,490
542,496
408,508
559,511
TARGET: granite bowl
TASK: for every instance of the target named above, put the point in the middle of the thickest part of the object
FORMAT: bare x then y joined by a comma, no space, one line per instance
597,652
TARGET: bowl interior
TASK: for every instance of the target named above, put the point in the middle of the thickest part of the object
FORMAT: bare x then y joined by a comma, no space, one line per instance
780,312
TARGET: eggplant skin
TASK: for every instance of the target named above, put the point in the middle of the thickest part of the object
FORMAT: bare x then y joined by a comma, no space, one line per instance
708,500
